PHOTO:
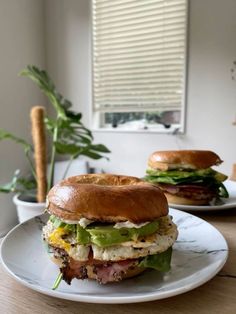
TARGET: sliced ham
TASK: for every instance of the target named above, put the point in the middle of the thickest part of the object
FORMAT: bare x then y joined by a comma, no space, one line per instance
103,272
192,191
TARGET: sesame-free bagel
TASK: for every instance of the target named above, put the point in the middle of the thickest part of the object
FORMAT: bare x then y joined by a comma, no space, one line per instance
106,197
190,159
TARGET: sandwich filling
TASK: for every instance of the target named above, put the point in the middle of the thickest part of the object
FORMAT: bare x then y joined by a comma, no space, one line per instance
202,184
106,251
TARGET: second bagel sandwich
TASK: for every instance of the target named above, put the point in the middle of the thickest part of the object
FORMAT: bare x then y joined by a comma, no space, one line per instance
108,228
186,176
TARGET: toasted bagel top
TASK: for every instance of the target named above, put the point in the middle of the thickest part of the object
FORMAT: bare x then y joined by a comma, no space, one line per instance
187,159
108,198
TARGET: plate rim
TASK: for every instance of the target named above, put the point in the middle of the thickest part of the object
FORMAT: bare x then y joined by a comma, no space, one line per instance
198,208
117,299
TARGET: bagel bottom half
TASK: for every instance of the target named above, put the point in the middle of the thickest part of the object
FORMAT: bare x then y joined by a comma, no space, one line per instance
173,199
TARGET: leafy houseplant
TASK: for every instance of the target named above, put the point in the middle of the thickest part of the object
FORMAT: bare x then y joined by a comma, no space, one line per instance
68,134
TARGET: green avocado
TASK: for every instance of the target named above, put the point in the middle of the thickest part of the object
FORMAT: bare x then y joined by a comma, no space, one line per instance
107,235
82,236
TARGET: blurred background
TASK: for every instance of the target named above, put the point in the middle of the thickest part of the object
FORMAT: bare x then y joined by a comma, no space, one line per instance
56,35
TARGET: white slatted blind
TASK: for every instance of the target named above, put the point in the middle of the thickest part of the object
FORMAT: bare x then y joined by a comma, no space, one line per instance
138,55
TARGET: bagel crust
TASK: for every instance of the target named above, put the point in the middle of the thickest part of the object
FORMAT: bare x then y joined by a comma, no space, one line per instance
188,159
107,198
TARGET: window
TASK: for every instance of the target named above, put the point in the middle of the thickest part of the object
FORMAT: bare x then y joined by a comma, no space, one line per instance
139,64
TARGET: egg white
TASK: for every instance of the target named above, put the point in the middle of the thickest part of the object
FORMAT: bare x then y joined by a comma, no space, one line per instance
158,242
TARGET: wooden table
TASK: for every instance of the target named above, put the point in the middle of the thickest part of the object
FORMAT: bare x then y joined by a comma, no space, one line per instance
218,296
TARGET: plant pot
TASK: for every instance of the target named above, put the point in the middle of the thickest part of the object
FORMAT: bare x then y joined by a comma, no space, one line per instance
7,213
27,207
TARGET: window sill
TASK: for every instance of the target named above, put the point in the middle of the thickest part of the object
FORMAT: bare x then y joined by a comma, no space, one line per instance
171,131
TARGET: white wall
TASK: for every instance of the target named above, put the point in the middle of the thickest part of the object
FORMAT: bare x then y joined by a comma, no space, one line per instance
211,99
64,46
21,43
67,45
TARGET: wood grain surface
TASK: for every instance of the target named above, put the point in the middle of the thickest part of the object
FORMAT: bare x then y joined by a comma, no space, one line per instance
217,296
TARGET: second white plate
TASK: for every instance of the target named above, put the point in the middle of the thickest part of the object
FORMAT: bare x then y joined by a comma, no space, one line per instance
227,203
199,253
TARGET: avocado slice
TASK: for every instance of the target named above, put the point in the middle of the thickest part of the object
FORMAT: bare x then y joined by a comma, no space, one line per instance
107,235
82,236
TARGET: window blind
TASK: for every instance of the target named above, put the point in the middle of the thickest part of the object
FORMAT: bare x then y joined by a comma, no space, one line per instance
138,55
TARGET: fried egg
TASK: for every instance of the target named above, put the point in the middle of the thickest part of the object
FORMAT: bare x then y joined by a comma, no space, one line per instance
158,242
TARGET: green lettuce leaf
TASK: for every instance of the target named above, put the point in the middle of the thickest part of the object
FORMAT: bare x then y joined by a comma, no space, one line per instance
223,191
160,262
179,176
207,177
181,173
56,221
180,180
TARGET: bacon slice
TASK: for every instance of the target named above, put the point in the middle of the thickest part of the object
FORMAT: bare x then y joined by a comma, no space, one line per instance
113,271
103,272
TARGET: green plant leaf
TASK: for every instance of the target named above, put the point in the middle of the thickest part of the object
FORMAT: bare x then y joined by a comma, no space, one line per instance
50,124
100,148
74,116
69,149
44,82
69,135
10,186
4,135
91,154
19,184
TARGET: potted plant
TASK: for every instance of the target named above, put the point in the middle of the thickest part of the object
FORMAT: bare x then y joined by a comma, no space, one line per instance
69,137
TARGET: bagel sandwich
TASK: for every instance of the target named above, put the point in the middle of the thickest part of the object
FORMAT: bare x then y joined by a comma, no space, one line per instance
186,176
107,228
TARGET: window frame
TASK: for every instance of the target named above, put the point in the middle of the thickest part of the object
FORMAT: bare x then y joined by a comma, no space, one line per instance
95,117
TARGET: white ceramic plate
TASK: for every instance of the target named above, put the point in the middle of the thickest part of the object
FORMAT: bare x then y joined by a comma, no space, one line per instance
199,253
227,203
